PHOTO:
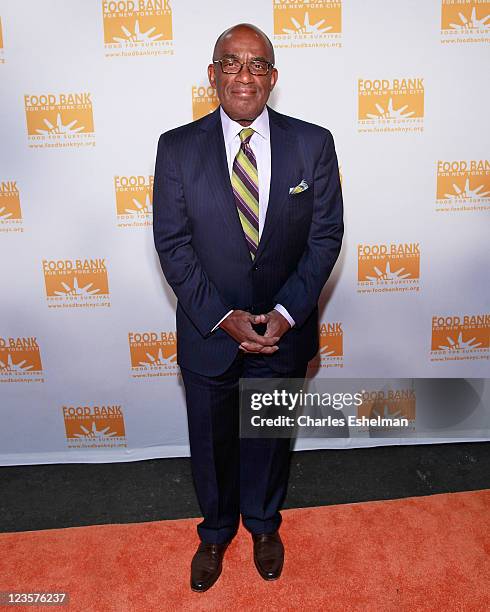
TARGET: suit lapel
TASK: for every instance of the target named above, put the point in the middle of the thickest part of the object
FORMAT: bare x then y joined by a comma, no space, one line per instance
283,156
212,154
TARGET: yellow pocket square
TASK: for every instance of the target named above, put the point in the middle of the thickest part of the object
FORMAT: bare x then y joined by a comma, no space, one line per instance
303,186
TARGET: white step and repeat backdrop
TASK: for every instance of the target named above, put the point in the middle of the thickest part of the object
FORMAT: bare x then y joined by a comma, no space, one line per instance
87,329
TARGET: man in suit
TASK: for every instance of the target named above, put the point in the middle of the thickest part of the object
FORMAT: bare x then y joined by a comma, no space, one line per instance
248,224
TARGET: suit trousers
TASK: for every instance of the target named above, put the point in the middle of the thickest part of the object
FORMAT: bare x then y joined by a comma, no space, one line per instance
234,475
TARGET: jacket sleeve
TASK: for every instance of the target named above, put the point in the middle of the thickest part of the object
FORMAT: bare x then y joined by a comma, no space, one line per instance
196,294
300,293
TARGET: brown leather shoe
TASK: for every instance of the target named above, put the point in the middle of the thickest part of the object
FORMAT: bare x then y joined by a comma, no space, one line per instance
206,565
268,555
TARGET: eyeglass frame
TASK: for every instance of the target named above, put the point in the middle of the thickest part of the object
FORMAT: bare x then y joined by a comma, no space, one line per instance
270,65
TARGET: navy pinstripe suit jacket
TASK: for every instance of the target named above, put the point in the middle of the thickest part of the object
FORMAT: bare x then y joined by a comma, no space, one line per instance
202,247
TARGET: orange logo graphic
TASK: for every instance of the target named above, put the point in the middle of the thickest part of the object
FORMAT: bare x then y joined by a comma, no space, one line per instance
204,101
153,354
60,120
307,23
20,360
331,351
460,337
137,27
390,105
134,200
2,58
465,21
463,185
73,283
388,404
10,212
388,267
94,426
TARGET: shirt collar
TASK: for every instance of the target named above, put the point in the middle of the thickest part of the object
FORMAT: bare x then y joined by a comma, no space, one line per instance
231,128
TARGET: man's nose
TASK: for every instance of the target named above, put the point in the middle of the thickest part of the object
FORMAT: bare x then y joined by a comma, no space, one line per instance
245,76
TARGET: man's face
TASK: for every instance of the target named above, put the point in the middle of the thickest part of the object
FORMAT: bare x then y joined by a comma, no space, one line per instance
242,95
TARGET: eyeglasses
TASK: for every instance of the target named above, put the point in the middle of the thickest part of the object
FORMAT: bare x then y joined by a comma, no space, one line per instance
256,67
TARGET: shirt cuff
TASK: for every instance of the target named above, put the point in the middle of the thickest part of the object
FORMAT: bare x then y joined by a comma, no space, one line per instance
285,314
222,319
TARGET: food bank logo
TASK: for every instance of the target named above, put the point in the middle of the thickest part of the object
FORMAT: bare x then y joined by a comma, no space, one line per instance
2,56
307,23
75,283
134,200
10,212
20,360
204,101
388,267
153,354
390,105
59,120
460,337
464,21
391,404
463,185
137,27
94,426
331,341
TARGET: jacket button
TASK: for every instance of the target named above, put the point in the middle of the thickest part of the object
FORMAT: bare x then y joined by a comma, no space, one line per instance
255,268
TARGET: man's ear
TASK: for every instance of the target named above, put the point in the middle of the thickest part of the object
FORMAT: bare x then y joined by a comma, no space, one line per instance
274,77
211,76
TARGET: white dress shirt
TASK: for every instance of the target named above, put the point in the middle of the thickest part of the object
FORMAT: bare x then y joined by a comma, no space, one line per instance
260,143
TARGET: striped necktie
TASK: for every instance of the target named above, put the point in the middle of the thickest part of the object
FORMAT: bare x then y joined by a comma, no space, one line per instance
245,183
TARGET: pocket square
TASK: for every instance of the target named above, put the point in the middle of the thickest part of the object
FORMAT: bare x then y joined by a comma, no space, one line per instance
303,186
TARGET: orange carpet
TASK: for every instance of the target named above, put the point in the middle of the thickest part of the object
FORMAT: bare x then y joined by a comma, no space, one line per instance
421,553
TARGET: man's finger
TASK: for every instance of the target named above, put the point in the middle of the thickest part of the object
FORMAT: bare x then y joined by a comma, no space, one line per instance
262,340
269,349
252,347
261,318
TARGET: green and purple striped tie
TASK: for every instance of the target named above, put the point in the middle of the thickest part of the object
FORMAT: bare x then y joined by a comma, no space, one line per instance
245,183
